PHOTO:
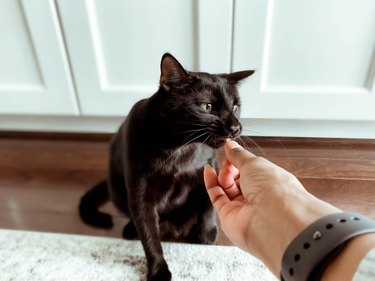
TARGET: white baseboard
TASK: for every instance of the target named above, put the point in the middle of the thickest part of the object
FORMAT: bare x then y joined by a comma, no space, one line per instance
309,128
61,124
252,127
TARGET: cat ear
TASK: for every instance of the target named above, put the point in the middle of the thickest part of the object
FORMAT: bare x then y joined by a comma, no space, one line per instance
172,74
236,77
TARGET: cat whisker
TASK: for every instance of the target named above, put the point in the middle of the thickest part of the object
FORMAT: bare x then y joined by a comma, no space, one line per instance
185,144
252,121
273,138
190,135
264,154
188,131
190,141
244,144
208,139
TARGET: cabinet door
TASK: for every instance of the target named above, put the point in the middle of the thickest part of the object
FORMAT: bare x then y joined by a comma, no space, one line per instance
34,73
115,46
314,59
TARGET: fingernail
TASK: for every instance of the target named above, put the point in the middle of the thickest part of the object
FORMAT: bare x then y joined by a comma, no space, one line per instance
207,166
232,144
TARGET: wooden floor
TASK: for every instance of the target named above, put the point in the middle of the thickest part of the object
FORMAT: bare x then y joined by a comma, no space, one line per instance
42,176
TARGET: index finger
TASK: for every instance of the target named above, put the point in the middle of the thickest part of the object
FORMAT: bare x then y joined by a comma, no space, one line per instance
236,154
216,193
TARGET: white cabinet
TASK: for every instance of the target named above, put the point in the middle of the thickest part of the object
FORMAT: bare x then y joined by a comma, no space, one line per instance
115,46
315,60
91,60
34,73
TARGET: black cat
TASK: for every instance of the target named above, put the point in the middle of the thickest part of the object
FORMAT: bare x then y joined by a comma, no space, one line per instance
157,158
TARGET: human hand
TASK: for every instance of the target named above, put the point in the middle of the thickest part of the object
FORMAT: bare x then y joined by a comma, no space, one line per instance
236,198
261,206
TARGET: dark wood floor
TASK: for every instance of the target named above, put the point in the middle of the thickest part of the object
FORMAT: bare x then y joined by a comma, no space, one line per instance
42,176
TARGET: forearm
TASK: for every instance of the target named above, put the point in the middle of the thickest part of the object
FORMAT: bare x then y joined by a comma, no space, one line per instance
287,221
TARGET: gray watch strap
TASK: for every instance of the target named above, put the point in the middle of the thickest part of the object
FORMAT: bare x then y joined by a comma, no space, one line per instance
318,240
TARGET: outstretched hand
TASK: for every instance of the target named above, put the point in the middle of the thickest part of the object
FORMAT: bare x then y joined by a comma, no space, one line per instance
262,207
229,202
246,185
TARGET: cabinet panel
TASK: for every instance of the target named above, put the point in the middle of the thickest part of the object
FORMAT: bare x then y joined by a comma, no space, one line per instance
17,51
126,34
312,46
115,47
34,73
314,60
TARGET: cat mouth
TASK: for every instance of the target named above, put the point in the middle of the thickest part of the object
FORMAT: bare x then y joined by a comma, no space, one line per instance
220,141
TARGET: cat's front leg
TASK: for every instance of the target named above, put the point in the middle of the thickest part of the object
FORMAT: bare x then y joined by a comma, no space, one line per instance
204,231
208,234
146,221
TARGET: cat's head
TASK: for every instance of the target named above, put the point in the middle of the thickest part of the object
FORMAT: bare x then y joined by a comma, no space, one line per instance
202,107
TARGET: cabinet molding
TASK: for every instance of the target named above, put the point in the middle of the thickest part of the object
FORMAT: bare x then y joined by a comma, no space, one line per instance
252,127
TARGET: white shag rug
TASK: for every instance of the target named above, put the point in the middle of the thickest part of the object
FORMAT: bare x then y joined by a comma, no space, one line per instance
40,256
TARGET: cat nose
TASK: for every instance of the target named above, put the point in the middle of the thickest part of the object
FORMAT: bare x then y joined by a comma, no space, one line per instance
235,130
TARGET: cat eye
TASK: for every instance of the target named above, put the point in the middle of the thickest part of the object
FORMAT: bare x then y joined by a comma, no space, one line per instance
206,106
235,108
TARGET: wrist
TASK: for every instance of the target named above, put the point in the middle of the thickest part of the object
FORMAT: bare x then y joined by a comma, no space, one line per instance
344,266
278,221
305,210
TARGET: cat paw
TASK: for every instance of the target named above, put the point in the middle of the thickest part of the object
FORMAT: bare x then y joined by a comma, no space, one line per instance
129,232
162,274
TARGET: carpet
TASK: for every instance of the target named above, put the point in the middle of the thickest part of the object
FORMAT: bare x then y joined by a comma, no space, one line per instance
26,255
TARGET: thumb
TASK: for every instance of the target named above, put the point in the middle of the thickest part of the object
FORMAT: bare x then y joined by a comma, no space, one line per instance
236,154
